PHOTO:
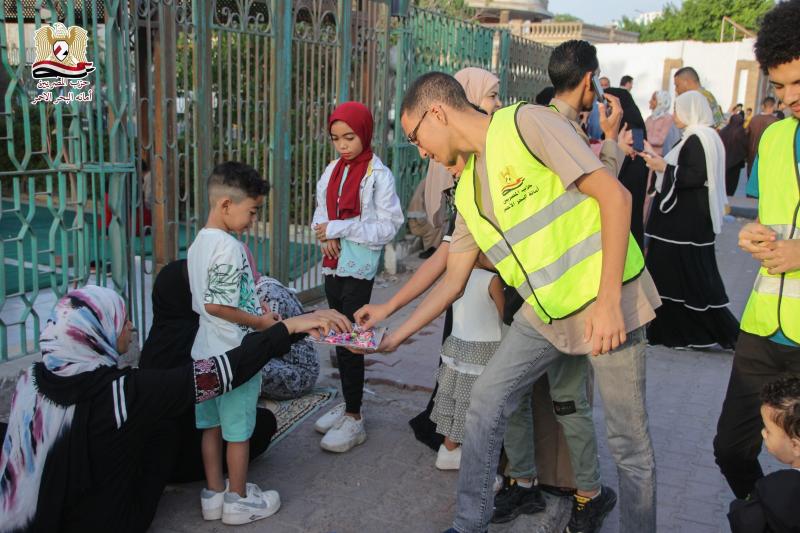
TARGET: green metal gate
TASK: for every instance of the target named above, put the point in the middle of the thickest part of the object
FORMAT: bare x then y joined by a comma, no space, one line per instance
66,170
109,191
254,81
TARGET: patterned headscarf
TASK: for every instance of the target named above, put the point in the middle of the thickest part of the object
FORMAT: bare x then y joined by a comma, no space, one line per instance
80,336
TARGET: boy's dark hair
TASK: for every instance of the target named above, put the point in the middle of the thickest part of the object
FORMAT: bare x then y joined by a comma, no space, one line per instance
569,63
777,41
783,396
768,101
625,80
237,180
431,88
687,72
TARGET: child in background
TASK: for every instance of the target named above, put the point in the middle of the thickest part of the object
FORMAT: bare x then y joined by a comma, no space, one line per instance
358,212
224,295
476,334
772,506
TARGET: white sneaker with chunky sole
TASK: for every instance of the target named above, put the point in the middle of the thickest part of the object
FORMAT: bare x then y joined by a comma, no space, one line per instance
448,459
345,435
329,419
237,510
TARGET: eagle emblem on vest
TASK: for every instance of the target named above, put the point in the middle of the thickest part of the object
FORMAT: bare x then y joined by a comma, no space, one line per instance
511,181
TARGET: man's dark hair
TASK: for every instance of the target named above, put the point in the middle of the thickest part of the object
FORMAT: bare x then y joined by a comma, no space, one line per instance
625,80
768,101
783,396
545,95
237,180
687,72
777,41
569,63
432,88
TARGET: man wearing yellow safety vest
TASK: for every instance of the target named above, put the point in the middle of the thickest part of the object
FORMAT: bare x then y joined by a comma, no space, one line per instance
769,343
555,223
617,376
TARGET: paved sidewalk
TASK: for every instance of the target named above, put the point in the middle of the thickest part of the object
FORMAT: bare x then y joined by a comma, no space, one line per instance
390,484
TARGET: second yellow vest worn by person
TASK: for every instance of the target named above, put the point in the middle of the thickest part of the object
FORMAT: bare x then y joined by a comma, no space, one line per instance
545,240
774,303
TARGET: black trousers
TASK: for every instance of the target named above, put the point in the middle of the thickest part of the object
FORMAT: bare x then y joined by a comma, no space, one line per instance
757,362
348,295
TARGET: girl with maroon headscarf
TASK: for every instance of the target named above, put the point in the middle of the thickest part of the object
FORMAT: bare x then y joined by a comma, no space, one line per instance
358,212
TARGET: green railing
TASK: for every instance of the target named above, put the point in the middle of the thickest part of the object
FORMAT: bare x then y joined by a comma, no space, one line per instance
66,171
109,191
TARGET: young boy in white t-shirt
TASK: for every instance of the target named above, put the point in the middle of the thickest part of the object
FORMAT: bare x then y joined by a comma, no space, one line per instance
224,295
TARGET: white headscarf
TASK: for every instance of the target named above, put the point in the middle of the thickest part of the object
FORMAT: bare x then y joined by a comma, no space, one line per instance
663,101
692,109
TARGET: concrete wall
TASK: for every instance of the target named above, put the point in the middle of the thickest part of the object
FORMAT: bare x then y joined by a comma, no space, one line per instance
728,70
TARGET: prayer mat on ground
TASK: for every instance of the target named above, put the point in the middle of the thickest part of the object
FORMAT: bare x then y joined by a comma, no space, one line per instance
291,413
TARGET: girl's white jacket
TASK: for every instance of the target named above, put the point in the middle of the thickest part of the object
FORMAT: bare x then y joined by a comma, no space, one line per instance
381,214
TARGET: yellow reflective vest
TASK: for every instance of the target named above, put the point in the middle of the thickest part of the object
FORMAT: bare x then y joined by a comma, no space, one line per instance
545,240
774,303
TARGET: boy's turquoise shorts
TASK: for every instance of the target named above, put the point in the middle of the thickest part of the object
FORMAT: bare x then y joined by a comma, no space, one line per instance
235,411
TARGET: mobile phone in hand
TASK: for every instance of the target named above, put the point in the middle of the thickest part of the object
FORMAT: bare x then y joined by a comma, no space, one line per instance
599,95
638,139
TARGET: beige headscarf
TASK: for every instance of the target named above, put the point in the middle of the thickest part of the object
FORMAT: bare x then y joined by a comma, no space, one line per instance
477,83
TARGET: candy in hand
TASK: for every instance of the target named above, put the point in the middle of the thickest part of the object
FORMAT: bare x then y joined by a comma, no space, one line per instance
365,339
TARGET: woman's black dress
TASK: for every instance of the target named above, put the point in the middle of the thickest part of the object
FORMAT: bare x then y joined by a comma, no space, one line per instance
694,311
633,173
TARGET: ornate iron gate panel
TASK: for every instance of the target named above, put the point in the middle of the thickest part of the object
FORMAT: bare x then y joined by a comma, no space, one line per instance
430,41
66,160
523,68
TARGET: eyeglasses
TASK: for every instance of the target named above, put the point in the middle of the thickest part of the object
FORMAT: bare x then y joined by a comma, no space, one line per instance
412,137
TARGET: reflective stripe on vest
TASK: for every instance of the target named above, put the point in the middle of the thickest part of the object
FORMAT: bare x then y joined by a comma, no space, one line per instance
785,231
534,223
774,303
544,240
550,273
777,286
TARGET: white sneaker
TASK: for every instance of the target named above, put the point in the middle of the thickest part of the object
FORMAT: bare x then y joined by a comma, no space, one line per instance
346,434
447,459
329,419
211,503
237,510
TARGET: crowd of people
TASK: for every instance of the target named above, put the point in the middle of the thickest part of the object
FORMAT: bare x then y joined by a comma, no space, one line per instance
566,236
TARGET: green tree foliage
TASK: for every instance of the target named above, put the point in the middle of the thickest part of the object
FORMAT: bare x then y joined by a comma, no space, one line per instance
628,24
453,8
699,20
565,17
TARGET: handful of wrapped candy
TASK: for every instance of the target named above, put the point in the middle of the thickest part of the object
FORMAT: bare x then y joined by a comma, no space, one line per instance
365,339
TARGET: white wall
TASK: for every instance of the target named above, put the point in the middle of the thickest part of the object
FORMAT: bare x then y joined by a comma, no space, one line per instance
714,62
